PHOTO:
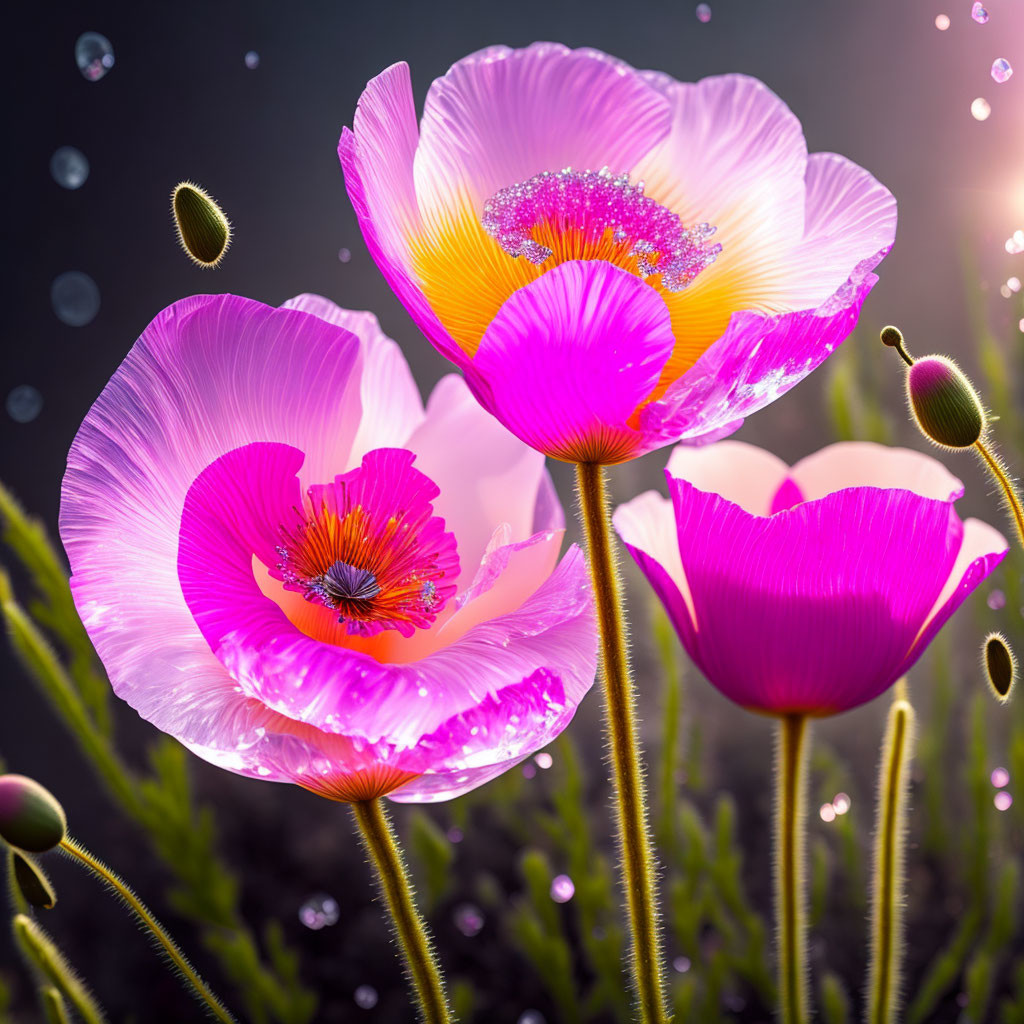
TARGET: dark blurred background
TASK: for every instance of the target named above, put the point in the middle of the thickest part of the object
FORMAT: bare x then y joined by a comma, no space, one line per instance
876,81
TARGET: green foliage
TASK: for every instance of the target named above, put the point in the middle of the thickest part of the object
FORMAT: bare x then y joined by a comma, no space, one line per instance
835,1001
431,856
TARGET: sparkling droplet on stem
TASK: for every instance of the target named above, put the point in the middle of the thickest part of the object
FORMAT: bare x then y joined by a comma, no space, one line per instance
94,55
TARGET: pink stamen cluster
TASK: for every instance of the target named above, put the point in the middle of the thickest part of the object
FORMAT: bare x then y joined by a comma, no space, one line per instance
595,202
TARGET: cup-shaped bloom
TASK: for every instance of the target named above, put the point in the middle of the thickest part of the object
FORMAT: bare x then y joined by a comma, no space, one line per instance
811,589
290,565
616,260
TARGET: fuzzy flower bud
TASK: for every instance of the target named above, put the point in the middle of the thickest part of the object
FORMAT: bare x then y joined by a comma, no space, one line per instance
30,817
944,403
203,230
1000,666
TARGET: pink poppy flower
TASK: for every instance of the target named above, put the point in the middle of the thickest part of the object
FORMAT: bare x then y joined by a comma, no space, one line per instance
813,589
615,260
288,564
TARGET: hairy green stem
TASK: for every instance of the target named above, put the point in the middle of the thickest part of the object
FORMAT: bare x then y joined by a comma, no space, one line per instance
1001,477
213,1005
382,847
790,842
887,888
41,953
631,809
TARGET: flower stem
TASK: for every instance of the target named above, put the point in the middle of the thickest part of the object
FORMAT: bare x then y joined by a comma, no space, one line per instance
790,908
214,1006
634,836
995,467
382,847
887,890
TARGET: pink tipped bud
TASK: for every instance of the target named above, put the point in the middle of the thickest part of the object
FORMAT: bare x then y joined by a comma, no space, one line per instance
944,403
30,817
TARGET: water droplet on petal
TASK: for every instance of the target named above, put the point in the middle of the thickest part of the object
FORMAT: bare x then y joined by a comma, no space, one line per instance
827,812
681,964
1013,283
999,778
344,255
319,911
69,167
1001,70
980,109
365,997
544,760
841,803
996,600
978,13
1002,800
469,919
94,55
252,60
942,22
24,403
75,298
562,888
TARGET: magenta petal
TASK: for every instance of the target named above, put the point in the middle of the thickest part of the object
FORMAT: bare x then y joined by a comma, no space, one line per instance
394,264
812,609
391,403
569,357
501,116
759,358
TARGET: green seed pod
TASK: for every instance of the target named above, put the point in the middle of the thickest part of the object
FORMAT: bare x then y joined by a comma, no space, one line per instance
30,816
32,881
1000,666
945,405
203,230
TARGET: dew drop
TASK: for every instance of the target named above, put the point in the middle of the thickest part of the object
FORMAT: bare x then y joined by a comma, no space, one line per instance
841,803
69,167
531,1017
252,60
562,888
75,298
544,760
1020,324
1015,243
94,55
529,770
365,997
344,255
469,919
1001,70
942,22
1002,800
703,13
980,109
978,13
999,778
24,403
454,834
1013,283
681,964
827,812
996,600
319,911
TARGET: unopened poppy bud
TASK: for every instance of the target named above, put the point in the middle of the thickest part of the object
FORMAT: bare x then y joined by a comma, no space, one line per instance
944,403
30,817
32,881
203,230
1000,666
